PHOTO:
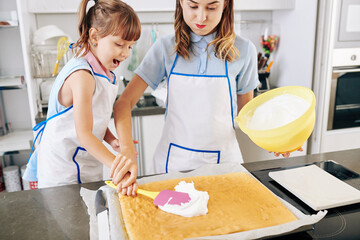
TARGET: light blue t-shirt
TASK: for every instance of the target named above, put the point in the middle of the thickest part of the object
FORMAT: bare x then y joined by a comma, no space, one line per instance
243,73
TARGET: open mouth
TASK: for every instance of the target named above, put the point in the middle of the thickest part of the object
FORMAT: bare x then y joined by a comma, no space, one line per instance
116,62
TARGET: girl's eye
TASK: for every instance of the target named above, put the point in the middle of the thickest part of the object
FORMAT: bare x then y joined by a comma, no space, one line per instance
193,6
119,45
211,8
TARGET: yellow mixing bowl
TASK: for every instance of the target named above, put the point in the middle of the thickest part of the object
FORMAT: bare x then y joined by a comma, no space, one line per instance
286,138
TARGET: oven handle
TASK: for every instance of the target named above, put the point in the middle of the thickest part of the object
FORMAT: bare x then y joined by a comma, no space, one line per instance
346,70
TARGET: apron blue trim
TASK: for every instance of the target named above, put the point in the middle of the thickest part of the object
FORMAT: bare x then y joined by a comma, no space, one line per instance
194,75
100,75
231,102
41,126
76,163
167,85
189,149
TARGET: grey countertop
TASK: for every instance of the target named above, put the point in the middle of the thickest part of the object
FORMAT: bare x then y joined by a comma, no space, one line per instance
146,111
145,107
136,112
60,213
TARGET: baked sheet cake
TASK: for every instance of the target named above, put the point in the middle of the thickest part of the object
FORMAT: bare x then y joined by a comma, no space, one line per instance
237,202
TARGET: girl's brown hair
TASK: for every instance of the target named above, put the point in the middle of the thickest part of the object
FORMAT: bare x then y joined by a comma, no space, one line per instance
225,36
109,17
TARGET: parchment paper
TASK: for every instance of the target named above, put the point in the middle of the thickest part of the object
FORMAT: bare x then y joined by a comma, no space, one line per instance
117,225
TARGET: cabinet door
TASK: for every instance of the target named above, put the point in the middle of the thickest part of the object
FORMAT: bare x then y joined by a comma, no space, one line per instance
46,6
106,170
151,131
153,5
147,130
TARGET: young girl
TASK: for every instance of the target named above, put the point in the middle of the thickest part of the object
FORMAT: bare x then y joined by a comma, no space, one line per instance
211,74
82,98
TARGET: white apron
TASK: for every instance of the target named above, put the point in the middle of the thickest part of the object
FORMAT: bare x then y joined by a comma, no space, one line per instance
199,125
61,159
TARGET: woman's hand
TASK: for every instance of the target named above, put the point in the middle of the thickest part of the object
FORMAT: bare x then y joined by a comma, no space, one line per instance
287,154
124,163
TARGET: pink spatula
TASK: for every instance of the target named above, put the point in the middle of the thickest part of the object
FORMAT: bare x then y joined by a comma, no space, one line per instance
161,198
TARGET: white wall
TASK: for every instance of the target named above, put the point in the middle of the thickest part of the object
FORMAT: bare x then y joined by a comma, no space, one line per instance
294,60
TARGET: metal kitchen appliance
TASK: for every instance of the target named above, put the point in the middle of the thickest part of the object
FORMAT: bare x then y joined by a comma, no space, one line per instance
344,107
337,76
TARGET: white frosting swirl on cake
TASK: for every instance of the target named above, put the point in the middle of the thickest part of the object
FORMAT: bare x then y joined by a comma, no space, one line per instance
197,205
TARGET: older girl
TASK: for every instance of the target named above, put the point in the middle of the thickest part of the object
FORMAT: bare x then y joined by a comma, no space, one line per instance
211,74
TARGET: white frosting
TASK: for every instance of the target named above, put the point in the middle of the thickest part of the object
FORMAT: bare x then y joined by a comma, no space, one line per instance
197,205
278,112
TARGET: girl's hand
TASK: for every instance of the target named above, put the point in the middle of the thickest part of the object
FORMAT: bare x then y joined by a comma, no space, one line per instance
115,144
287,154
124,163
131,190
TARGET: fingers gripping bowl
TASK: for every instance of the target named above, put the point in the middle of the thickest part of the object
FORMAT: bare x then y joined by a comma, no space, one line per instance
285,138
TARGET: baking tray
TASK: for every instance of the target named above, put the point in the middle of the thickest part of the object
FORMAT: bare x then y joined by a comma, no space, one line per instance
330,166
316,187
305,223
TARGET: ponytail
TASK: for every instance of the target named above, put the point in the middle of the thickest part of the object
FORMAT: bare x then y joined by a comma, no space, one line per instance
83,45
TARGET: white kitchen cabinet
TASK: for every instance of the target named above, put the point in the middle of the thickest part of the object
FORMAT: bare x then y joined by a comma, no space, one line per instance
148,131
260,5
52,6
71,6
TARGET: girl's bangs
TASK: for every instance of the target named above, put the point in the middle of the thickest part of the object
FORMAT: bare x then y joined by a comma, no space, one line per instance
128,28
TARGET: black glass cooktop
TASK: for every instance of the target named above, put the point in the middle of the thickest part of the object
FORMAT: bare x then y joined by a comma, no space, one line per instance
340,222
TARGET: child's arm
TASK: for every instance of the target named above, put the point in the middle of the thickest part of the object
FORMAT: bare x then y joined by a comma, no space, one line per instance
81,86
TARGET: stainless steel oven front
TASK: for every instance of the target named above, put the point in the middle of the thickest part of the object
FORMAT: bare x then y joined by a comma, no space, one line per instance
344,107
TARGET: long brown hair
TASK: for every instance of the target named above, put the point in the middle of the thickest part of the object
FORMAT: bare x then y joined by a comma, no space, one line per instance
225,36
109,17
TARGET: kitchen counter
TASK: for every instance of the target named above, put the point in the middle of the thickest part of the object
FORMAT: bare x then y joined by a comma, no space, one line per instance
136,112
60,213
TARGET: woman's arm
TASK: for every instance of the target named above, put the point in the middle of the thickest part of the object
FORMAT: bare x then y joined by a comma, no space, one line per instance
122,115
243,99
